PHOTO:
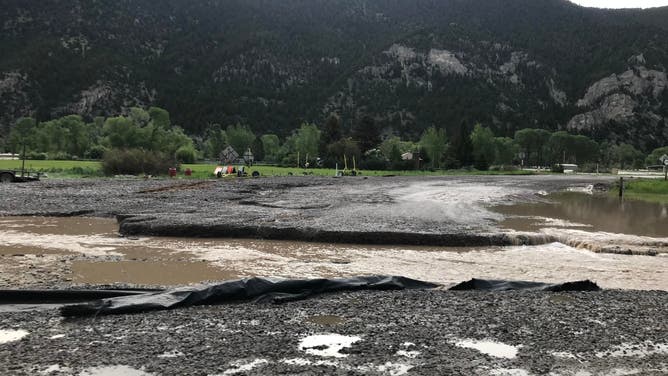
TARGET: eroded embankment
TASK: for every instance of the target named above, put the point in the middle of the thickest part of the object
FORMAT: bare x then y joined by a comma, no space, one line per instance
152,226
441,211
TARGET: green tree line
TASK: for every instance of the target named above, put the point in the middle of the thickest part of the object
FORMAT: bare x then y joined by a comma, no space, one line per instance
151,130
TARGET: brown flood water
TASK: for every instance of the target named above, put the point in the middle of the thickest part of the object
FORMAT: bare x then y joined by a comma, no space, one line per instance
92,252
591,212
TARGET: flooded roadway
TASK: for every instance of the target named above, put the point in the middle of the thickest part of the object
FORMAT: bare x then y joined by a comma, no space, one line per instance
38,251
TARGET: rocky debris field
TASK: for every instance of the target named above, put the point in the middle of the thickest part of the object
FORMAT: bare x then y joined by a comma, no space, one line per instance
426,332
388,210
430,332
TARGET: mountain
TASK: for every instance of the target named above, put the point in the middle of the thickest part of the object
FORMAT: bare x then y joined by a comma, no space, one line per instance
509,64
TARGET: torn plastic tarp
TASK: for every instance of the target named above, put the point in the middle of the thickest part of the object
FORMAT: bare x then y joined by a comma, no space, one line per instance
255,289
499,285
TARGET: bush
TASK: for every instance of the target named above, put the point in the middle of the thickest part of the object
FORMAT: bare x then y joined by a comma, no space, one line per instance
35,156
373,163
481,164
95,152
61,156
186,154
135,162
504,168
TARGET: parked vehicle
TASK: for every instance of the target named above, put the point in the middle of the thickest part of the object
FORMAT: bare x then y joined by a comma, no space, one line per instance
11,176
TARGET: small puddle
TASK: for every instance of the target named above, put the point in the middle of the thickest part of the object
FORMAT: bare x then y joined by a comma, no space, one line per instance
151,272
590,212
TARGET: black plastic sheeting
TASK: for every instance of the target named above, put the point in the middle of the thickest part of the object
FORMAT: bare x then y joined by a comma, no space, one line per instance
63,296
499,285
263,290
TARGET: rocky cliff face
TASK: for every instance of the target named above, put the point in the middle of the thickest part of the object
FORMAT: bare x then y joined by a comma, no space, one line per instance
626,106
510,64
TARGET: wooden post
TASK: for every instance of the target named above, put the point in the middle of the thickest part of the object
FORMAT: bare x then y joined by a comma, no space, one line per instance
621,187
665,173
23,163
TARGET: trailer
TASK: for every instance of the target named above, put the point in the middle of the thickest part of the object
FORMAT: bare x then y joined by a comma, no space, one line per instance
7,176
11,176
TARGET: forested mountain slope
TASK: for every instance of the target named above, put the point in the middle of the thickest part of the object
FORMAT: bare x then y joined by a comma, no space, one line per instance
509,64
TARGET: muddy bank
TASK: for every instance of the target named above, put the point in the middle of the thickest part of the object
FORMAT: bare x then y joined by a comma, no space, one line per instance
443,332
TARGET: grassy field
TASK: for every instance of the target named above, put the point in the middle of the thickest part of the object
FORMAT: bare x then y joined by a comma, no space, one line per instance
62,169
79,169
653,190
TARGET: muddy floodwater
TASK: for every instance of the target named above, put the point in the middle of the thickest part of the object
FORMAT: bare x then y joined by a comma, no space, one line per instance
38,251
593,212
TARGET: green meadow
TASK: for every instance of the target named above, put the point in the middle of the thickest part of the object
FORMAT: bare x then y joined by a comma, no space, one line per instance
83,169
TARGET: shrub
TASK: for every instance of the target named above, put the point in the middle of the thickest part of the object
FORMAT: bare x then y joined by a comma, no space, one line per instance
481,163
35,156
558,168
373,163
135,162
61,156
504,168
96,152
186,154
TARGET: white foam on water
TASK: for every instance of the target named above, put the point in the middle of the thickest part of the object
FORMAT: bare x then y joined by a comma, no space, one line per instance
91,245
493,348
12,335
332,343
244,366
554,222
57,336
113,371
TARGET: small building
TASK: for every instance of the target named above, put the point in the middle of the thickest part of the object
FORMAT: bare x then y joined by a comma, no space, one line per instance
569,168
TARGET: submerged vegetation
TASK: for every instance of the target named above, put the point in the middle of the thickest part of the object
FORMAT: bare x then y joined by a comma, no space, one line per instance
652,190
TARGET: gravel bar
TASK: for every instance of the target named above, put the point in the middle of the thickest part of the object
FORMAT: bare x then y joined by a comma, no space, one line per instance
429,332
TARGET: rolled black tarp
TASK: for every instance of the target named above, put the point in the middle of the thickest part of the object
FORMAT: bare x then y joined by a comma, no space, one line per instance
9,297
256,289
501,285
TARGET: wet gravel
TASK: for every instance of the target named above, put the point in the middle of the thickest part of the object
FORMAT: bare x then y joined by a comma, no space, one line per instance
401,332
374,210
602,333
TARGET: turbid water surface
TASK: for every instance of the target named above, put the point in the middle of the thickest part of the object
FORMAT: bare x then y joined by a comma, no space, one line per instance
88,250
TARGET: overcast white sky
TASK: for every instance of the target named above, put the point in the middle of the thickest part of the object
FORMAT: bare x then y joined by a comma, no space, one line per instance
622,3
